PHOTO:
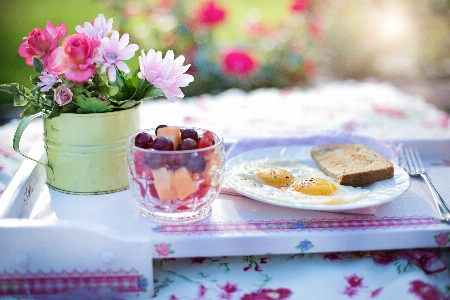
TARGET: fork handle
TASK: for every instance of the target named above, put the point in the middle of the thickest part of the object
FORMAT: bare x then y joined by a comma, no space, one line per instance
444,210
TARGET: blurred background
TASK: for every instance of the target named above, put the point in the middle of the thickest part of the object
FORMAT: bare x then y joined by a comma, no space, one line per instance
260,43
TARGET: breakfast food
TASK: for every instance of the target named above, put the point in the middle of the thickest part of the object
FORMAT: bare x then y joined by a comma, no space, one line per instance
314,186
307,185
352,164
174,166
276,177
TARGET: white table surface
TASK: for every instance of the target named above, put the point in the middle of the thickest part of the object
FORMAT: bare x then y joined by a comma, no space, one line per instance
370,109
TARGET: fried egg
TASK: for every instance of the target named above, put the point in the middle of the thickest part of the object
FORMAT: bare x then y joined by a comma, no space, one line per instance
290,181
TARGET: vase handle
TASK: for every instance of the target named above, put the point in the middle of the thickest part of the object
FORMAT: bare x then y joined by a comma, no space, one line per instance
18,135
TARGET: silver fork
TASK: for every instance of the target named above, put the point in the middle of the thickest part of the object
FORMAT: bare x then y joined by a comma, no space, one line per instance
414,167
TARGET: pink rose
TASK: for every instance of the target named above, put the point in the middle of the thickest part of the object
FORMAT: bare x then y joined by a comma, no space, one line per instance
442,239
299,6
39,43
210,13
163,249
63,95
74,58
239,63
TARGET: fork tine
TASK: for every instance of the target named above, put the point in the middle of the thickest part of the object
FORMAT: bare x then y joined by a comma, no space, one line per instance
419,161
414,167
409,162
416,162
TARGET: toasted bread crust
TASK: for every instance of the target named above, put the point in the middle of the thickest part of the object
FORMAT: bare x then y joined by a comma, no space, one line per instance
352,164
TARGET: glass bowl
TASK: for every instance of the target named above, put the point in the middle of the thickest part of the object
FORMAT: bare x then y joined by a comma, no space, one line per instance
176,186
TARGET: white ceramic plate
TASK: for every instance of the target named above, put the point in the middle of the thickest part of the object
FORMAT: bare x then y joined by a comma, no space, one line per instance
381,192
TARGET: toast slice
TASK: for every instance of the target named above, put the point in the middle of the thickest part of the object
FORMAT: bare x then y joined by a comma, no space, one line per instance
352,164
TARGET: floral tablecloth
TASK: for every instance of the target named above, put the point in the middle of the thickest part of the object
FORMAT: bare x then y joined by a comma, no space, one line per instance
372,109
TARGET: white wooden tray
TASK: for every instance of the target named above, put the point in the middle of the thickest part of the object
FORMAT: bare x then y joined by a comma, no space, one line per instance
239,225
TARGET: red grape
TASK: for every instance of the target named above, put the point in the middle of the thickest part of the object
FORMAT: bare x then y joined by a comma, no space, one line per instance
189,133
163,143
143,140
187,144
196,164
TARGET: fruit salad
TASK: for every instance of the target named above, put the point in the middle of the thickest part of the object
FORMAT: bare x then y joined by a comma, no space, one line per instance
175,169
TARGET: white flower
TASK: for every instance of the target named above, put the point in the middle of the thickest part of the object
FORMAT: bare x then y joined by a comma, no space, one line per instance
98,29
112,51
47,81
165,73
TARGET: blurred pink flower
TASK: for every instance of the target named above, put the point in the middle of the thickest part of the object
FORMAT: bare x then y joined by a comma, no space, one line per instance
268,294
40,42
209,13
309,68
165,73
98,29
299,6
442,239
74,58
47,81
239,63
113,51
425,291
354,281
63,95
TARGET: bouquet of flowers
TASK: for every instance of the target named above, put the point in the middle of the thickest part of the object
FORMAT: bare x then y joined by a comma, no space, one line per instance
86,73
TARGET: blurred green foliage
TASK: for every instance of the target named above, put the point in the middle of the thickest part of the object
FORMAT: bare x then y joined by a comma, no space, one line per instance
19,17
380,38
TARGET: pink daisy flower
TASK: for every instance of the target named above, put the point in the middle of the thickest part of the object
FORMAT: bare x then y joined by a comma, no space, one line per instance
47,81
97,29
165,73
112,53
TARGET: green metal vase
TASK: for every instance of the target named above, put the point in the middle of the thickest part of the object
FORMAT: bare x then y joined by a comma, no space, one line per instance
86,153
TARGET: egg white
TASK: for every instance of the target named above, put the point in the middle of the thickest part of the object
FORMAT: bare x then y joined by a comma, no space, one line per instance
244,176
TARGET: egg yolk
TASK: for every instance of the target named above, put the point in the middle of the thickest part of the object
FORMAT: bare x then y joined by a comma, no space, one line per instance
314,186
276,177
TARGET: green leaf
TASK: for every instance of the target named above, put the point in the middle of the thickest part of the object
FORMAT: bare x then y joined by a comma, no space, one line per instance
70,108
38,65
30,109
19,100
11,88
113,90
34,80
56,110
128,104
152,93
87,105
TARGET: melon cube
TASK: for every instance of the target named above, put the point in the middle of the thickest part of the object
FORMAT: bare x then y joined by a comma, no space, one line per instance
171,132
163,179
183,183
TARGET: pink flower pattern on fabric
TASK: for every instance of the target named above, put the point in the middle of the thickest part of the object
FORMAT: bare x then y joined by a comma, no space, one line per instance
442,239
163,249
426,291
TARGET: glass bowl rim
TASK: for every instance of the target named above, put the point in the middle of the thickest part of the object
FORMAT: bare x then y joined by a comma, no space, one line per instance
130,145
